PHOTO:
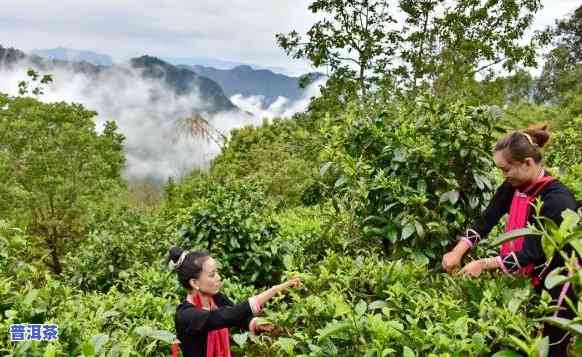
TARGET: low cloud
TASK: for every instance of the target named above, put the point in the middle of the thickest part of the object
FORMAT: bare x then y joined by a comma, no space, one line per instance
151,116
281,107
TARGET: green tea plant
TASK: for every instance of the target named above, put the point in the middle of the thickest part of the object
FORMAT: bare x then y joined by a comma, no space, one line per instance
281,154
234,223
411,174
369,307
564,241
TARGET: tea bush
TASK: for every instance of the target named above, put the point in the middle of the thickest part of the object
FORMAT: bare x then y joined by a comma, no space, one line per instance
413,174
234,223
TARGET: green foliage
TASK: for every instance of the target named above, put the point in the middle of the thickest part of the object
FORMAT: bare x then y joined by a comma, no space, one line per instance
566,146
311,237
90,324
280,154
418,172
20,261
427,44
573,180
447,45
363,306
352,39
234,224
119,241
522,114
335,96
562,70
514,90
56,164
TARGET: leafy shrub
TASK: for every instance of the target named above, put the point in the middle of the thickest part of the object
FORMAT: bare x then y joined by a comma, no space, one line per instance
565,148
119,239
416,172
573,180
234,223
20,258
311,238
93,324
364,306
281,154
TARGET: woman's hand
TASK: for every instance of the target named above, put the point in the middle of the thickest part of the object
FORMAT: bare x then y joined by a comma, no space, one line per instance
264,328
452,261
268,294
474,269
291,283
259,325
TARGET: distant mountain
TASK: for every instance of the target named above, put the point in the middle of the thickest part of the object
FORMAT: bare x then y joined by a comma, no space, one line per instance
202,61
72,55
184,81
250,82
216,63
11,57
217,79
180,80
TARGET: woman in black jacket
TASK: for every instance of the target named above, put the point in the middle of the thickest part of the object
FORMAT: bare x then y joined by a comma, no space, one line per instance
519,158
202,320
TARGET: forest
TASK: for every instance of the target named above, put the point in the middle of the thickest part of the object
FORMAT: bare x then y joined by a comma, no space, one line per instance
359,196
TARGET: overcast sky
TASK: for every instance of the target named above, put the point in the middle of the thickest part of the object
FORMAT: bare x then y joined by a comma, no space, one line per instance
235,30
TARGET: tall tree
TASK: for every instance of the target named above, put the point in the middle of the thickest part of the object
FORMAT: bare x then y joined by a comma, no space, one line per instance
562,72
353,39
434,44
447,44
54,165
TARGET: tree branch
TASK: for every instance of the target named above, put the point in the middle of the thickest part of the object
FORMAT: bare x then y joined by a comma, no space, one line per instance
348,59
488,65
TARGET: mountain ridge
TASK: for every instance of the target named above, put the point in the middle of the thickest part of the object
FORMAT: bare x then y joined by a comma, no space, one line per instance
248,81
74,55
181,81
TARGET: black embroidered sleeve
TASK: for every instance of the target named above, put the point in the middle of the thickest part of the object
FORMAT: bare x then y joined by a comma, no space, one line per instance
556,199
498,206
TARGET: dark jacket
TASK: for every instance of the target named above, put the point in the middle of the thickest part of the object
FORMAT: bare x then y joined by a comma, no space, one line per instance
193,324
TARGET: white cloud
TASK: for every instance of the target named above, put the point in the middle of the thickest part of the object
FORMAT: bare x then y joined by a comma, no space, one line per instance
157,144
236,30
281,107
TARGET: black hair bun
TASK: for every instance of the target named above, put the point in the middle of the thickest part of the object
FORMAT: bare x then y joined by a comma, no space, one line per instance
175,253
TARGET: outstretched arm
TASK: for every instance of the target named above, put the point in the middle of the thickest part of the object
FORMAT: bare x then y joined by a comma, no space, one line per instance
481,227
